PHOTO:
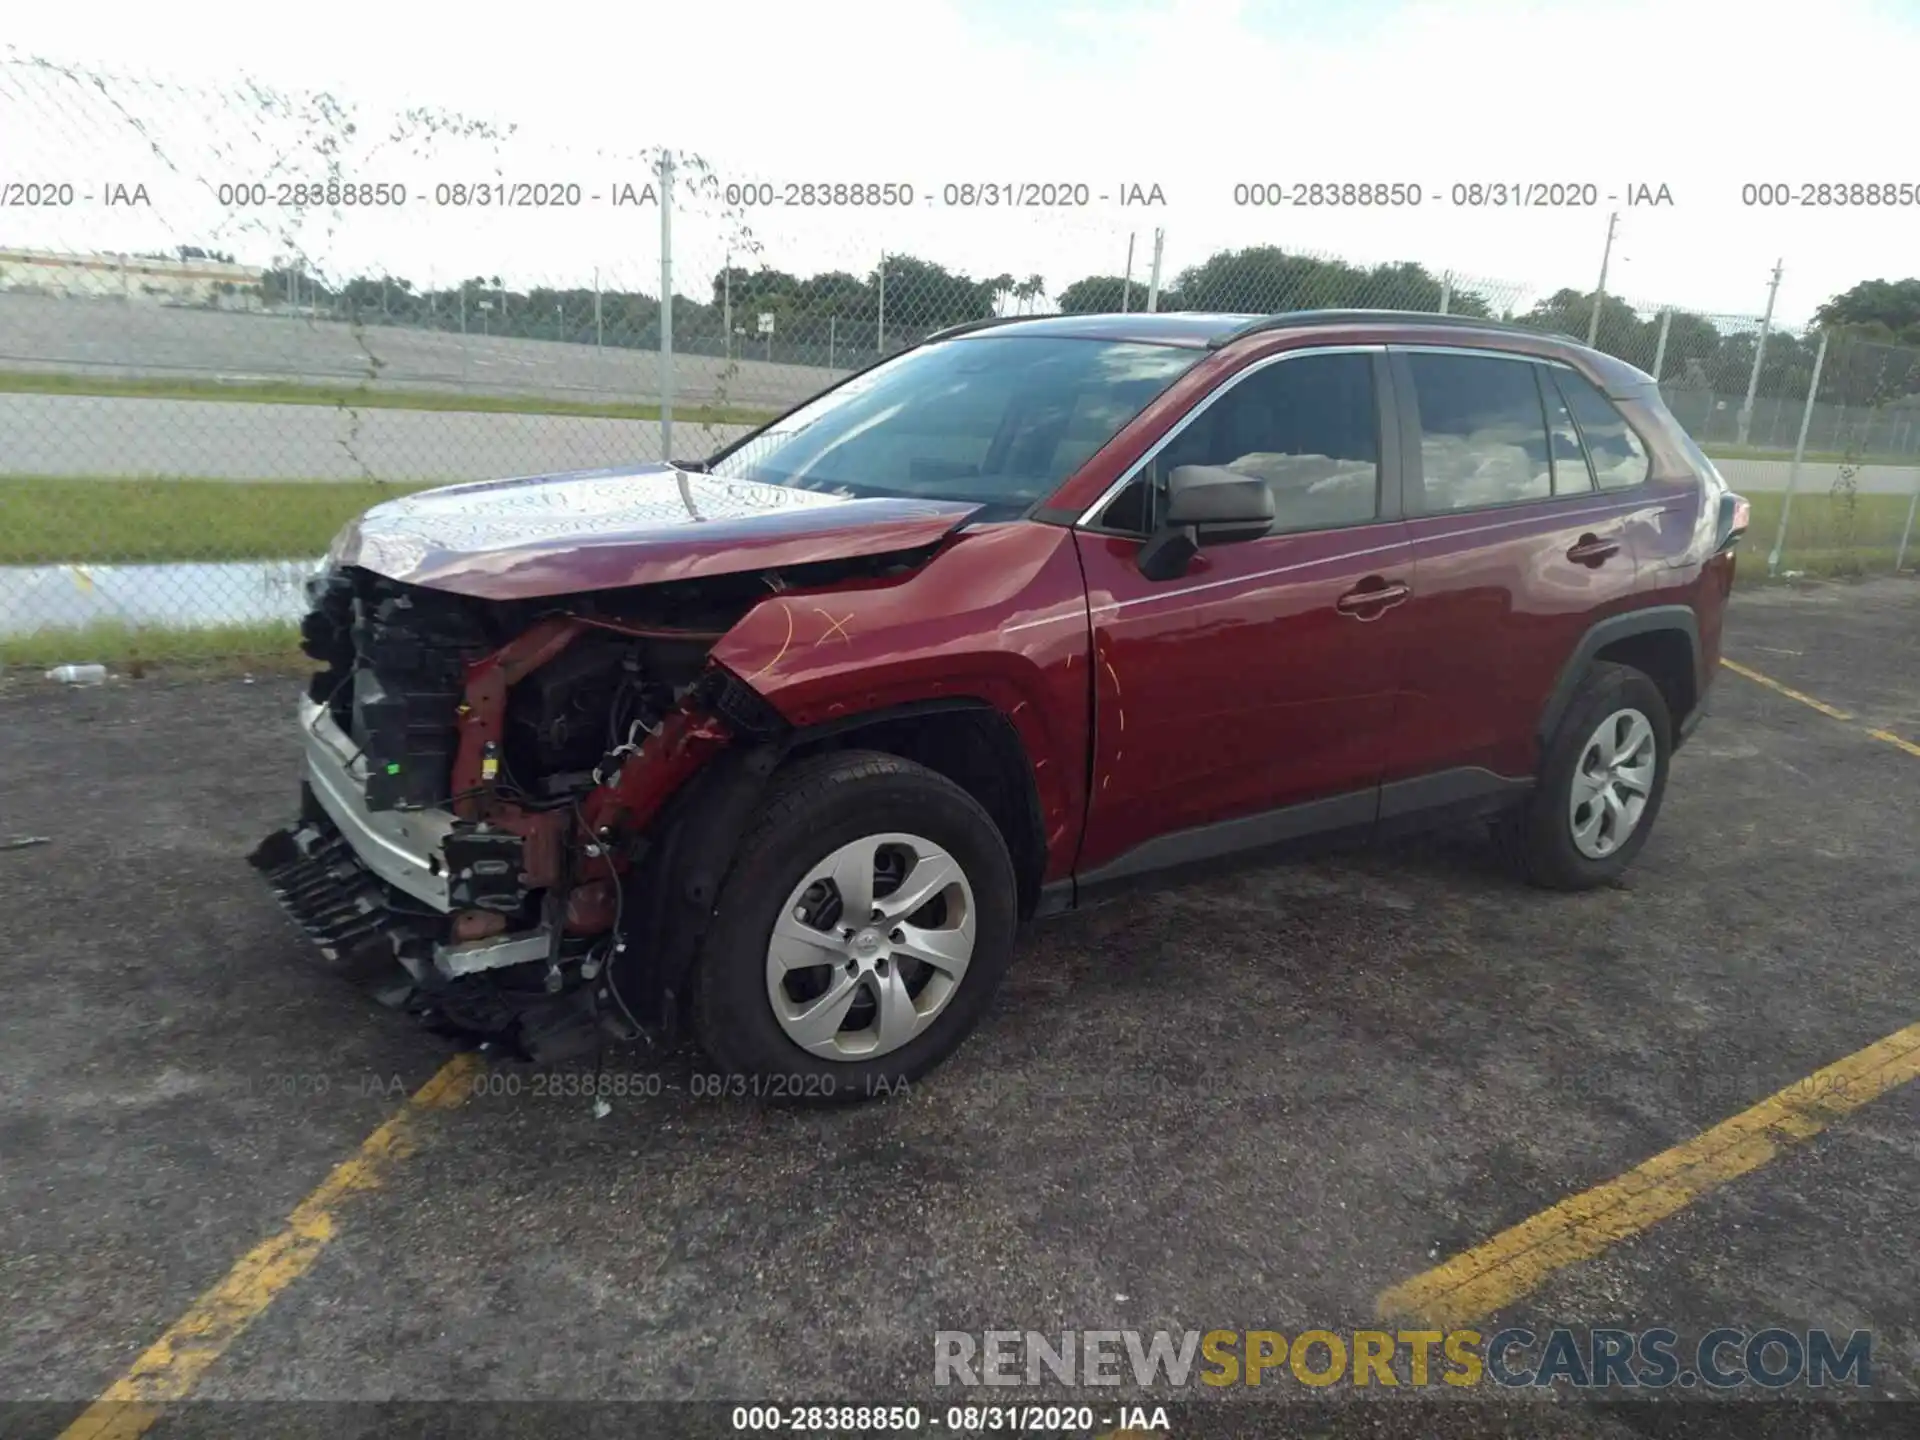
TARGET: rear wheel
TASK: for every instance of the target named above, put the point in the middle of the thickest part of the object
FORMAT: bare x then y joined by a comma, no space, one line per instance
1600,786
866,921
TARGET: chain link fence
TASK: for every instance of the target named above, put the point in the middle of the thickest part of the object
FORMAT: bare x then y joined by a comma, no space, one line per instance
232,319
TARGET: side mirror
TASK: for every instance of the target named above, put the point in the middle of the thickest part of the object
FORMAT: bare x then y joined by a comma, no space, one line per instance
1206,504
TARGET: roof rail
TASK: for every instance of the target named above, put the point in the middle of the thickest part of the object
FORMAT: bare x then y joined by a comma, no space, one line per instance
1291,319
972,325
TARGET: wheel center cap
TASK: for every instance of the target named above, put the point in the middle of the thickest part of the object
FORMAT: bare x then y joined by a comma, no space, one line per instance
867,942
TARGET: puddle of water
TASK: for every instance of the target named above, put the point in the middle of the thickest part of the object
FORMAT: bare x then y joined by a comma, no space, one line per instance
38,598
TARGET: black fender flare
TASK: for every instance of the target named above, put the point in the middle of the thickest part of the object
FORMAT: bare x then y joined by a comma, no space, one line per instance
669,894
1607,632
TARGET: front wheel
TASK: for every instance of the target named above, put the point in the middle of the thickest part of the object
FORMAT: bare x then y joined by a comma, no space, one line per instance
863,927
1599,787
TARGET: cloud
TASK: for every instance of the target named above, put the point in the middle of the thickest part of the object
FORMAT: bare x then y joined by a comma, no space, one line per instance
1195,95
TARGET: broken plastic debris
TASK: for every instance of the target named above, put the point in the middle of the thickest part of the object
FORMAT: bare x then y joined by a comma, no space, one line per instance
21,842
78,674
601,1109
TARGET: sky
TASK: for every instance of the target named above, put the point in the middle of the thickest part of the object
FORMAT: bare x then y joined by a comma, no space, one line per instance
1195,97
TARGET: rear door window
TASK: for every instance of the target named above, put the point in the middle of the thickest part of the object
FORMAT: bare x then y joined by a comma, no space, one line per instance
1571,476
1483,431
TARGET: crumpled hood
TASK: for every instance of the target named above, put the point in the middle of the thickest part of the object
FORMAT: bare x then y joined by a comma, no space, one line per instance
603,529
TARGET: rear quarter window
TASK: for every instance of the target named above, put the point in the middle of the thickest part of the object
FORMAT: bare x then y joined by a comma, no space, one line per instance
1619,457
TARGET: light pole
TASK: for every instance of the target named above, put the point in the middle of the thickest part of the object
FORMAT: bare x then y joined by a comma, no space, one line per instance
1600,293
1745,423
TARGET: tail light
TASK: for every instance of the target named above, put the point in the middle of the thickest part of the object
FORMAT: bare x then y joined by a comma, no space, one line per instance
1735,515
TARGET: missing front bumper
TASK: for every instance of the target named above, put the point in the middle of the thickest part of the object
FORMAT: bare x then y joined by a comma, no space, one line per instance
383,940
405,848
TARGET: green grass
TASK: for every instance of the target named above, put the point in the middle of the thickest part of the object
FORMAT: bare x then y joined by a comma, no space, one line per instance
132,649
1826,537
1812,457
277,392
46,520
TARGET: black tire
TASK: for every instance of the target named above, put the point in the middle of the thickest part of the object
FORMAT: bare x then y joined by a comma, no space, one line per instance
810,810
1537,837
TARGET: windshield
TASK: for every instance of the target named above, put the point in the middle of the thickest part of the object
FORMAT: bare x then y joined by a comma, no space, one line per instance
998,421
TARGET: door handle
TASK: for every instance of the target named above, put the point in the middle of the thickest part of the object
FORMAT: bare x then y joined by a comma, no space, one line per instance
1379,599
1591,550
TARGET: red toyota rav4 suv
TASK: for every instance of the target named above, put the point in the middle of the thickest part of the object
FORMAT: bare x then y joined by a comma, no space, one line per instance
782,745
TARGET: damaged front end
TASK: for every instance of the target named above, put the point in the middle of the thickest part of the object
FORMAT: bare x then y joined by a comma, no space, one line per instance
496,830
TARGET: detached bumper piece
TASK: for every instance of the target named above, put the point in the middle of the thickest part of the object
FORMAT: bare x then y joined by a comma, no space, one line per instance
497,991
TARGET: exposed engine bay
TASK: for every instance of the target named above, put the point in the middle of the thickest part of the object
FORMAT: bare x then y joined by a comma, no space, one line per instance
497,831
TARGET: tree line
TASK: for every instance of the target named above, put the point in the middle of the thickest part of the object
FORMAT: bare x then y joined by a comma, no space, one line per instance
843,318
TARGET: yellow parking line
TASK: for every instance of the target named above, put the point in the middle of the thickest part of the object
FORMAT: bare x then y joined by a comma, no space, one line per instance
1825,709
1771,684
173,1364
1478,1282
1892,739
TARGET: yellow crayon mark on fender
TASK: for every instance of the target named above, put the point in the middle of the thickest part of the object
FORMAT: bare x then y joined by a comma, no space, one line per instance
171,1366
780,654
1477,1282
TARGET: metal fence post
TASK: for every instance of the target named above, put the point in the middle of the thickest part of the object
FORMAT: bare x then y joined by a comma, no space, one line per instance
832,323
1153,278
1900,560
1660,346
666,306
1446,293
1799,455
1126,281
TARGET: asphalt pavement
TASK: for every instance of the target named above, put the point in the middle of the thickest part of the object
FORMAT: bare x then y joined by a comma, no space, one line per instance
114,338
1256,1101
94,436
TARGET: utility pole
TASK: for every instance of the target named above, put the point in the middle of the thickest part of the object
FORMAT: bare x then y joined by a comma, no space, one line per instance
666,306
1600,294
1153,282
1126,283
1759,351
